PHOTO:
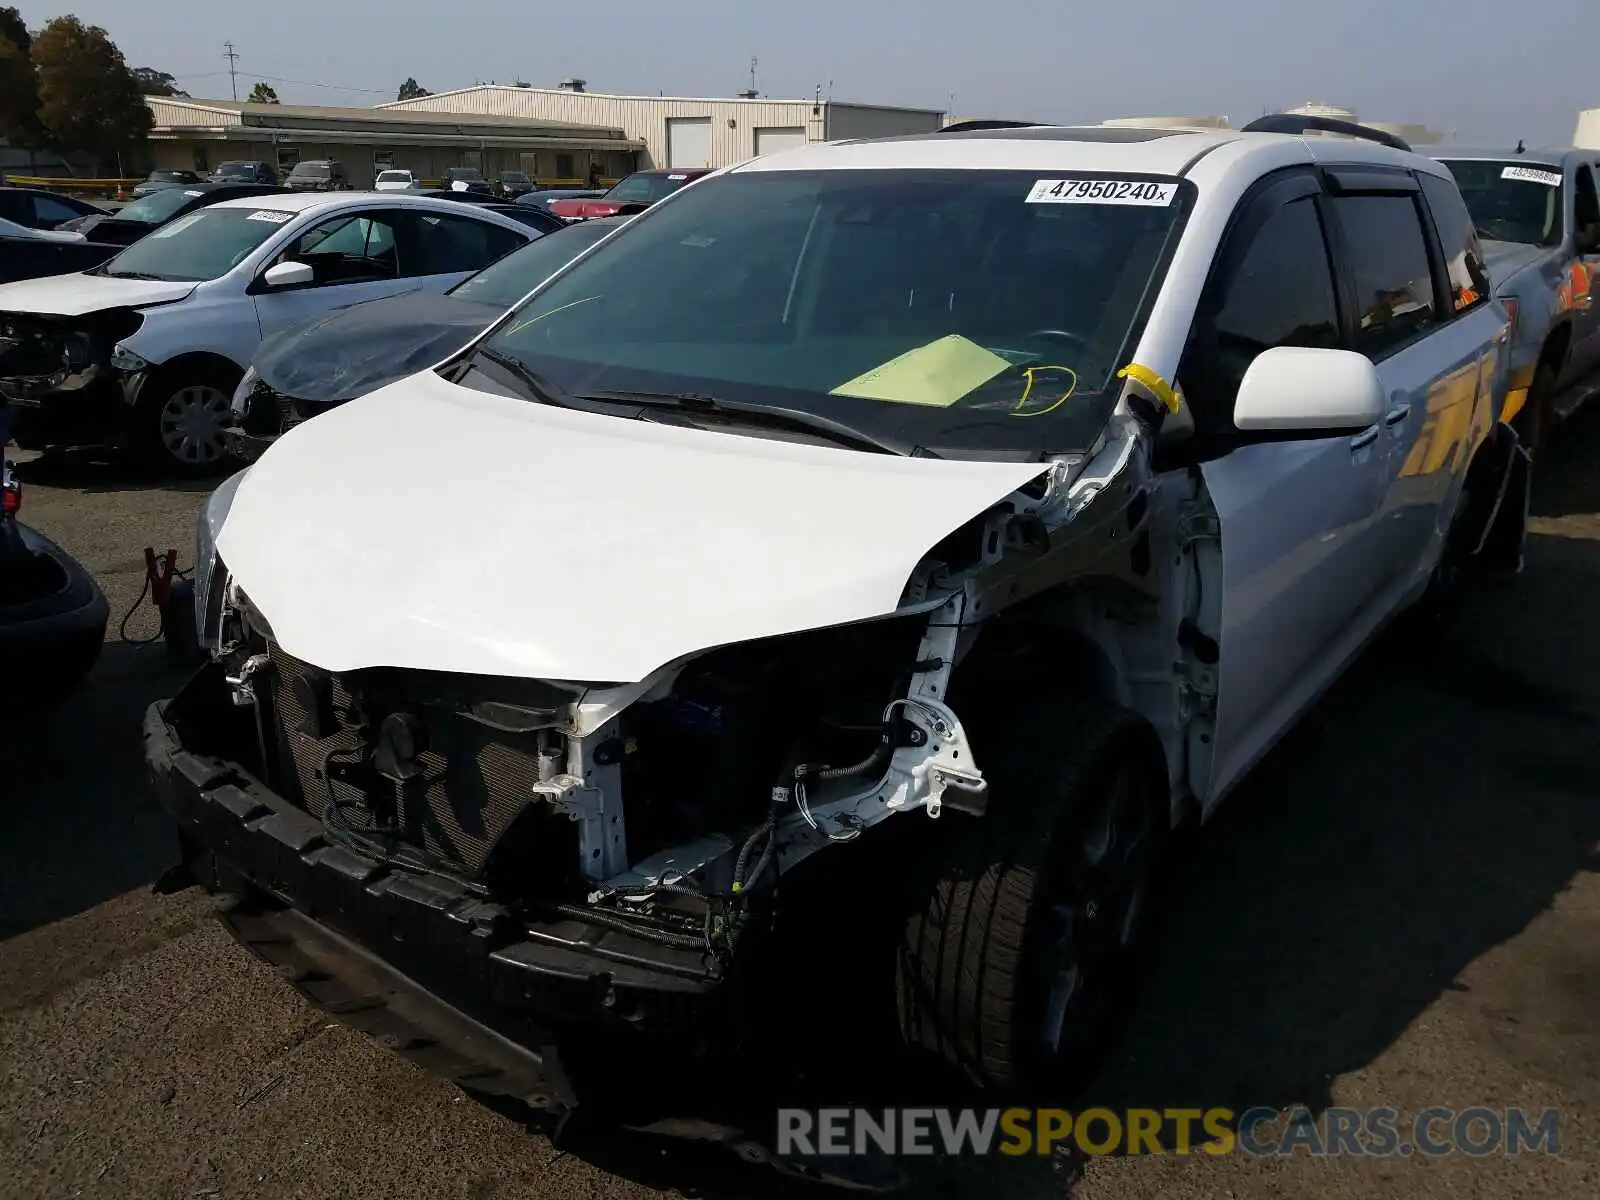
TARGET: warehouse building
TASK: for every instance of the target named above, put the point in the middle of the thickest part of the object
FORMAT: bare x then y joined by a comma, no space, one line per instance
196,135
680,132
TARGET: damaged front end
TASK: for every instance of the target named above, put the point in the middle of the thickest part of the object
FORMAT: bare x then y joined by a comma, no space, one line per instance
550,854
65,378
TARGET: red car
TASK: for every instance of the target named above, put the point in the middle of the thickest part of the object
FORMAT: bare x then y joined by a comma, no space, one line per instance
640,188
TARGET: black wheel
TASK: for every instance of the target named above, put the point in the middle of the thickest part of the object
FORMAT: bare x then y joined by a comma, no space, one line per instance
1533,422
180,419
1015,963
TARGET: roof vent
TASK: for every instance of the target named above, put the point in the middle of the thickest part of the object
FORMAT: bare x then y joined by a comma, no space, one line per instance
748,94
572,84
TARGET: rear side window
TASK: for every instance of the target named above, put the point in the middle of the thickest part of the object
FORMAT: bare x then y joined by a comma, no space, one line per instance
50,211
1463,256
450,244
1390,268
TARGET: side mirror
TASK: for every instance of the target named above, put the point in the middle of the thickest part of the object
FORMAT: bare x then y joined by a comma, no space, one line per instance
288,274
1295,389
1589,239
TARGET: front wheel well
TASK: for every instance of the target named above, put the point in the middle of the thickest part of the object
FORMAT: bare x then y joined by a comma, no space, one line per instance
195,362
1556,344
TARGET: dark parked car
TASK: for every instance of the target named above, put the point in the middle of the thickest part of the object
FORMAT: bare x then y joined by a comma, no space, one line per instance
166,179
514,184
139,217
39,209
52,613
467,179
543,197
334,358
642,187
245,172
538,218
318,175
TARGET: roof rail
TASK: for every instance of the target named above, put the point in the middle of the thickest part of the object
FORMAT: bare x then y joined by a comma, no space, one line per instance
967,126
1298,123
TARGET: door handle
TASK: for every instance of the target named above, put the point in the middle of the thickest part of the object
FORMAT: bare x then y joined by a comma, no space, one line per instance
1365,438
1397,414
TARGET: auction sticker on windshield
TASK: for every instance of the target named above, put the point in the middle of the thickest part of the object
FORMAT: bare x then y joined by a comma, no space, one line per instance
1102,191
267,214
1532,175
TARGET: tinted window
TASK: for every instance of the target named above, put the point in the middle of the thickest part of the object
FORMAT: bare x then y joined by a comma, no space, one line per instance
450,244
900,302
1389,264
347,249
518,273
645,189
310,171
1585,204
50,211
1280,294
156,207
202,245
1511,201
1463,256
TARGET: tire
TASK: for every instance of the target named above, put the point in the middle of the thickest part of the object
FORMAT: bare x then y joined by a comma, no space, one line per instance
179,420
1017,955
1533,422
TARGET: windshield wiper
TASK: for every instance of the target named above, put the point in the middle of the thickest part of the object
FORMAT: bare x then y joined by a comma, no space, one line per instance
762,414
539,388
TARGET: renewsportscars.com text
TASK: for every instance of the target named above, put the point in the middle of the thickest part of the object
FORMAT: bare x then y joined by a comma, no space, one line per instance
1262,1131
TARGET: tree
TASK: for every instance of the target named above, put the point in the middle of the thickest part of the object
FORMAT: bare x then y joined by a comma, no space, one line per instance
19,84
89,101
263,93
412,90
157,83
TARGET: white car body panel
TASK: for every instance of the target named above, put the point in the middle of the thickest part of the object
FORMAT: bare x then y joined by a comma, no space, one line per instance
77,293
572,545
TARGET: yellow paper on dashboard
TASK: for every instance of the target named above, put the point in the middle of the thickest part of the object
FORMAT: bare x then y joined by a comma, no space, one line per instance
935,375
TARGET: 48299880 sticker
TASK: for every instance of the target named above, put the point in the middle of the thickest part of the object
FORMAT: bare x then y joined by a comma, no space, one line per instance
1103,191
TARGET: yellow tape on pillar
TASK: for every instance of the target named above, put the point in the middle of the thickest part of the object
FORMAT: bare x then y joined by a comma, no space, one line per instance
1157,386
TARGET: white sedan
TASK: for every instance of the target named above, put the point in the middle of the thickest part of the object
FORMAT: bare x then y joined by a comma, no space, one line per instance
155,340
397,181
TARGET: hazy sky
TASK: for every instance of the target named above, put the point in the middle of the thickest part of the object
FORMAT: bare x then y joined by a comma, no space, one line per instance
1486,69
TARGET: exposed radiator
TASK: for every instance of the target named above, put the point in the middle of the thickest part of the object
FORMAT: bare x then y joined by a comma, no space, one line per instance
475,780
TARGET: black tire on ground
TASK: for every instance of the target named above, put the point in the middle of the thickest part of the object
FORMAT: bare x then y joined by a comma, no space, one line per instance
1058,874
178,421
1533,422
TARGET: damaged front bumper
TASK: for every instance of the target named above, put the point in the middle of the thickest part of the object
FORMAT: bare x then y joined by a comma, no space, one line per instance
64,381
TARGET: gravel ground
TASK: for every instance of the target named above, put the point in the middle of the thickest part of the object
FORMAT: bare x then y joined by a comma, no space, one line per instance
1401,908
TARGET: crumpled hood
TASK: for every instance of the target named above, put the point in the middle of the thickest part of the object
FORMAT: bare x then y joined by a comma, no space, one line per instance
79,293
435,527
354,350
1505,259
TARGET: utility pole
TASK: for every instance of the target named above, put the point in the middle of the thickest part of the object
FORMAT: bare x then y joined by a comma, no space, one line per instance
232,56
752,76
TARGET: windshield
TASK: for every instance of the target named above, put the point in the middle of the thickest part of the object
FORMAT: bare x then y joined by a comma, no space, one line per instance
236,170
645,189
309,171
946,309
395,177
173,177
513,177
463,173
505,282
156,207
203,245
1511,201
